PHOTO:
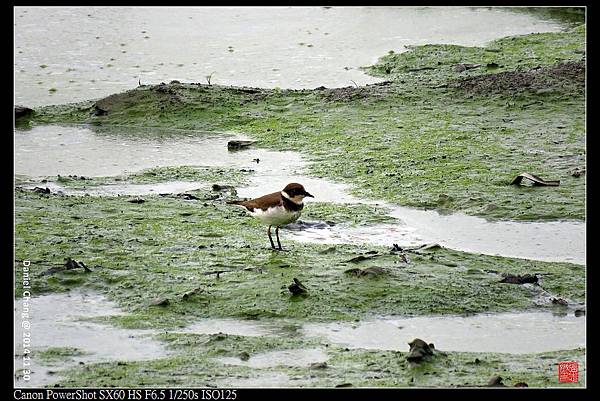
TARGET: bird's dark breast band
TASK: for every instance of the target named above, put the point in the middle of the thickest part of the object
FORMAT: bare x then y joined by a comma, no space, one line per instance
291,205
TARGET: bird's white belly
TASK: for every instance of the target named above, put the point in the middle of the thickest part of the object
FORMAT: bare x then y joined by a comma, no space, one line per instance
276,216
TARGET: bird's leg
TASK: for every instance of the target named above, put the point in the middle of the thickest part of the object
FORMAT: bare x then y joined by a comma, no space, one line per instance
277,235
270,238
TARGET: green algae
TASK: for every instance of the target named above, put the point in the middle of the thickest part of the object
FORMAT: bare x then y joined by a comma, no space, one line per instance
436,63
425,138
352,214
570,16
168,246
454,369
207,175
360,368
57,355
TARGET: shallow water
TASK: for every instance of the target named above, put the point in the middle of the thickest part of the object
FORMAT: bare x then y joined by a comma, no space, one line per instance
91,52
292,357
51,150
56,321
169,187
553,241
268,379
234,327
515,333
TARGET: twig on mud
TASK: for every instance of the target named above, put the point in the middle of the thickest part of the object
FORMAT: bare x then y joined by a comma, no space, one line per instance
209,77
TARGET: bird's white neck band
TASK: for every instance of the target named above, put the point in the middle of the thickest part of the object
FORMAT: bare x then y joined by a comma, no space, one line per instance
296,201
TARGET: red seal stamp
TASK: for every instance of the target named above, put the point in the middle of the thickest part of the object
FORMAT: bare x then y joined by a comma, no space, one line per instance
568,372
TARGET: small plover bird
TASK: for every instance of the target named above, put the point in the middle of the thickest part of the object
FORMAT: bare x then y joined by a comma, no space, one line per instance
276,209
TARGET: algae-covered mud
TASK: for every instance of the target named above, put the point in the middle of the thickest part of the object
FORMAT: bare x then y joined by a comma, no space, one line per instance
415,230
171,262
431,136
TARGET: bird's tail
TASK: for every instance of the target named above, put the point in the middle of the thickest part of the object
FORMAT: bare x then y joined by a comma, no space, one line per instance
235,202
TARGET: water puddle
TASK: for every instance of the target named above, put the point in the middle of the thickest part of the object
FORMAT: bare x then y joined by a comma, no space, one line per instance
518,333
515,333
93,152
234,327
170,187
555,241
71,54
292,357
52,150
56,321
274,379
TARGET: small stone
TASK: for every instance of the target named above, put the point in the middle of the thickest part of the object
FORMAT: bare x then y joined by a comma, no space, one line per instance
518,279
237,145
373,271
187,196
244,356
297,288
577,172
496,381
419,351
219,188
318,365
195,291
99,111
22,111
559,301
160,302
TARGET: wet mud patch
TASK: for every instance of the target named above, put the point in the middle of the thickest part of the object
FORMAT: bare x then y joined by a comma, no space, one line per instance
348,213
298,357
421,146
421,143
535,331
229,359
352,93
148,251
366,368
544,80
69,335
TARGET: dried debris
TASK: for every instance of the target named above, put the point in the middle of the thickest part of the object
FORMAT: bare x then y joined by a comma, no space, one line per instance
535,179
520,279
368,272
69,264
297,288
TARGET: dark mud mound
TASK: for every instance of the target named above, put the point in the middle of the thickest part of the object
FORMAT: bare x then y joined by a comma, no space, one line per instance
350,93
149,100
536,79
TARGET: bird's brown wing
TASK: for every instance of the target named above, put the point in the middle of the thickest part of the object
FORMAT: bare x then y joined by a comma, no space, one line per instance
264,202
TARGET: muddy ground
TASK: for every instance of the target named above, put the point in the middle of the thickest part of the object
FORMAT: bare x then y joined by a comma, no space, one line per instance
448,130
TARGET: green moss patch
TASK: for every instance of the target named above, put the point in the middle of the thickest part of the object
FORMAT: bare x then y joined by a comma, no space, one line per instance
436,134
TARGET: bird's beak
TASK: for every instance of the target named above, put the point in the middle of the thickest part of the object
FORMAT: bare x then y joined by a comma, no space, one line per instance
308,195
